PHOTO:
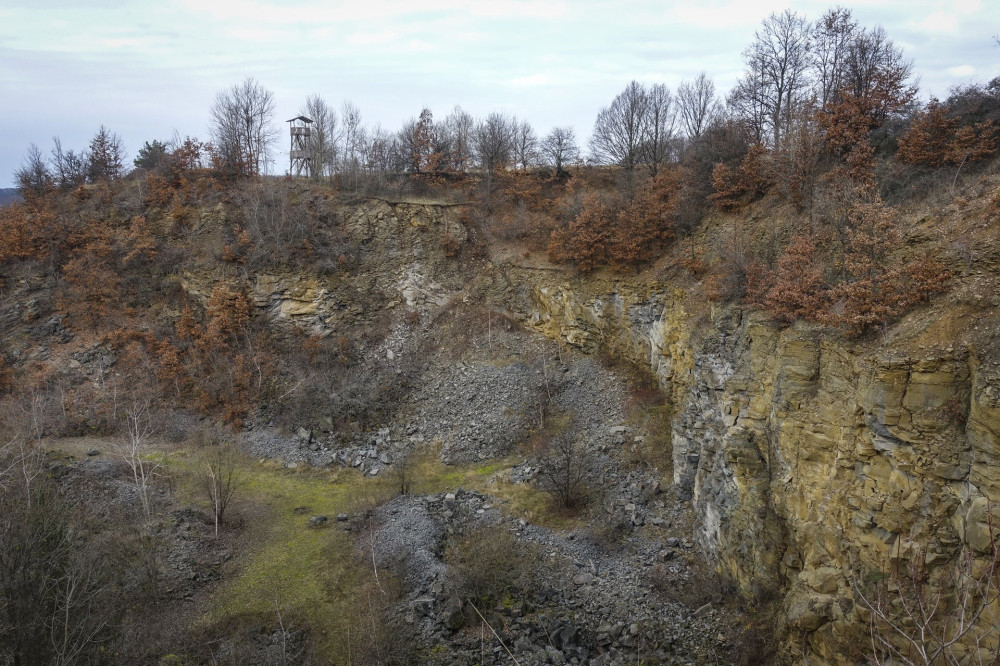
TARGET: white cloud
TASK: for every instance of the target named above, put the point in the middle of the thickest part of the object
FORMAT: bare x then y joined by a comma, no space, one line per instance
939,23
543,9
532,80
126,42
961,71
367,38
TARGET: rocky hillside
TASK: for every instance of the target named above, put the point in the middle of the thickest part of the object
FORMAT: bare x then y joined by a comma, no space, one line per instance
745,485
811,460
815,462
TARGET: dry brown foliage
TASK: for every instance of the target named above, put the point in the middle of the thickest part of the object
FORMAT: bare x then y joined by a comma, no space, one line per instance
875,289
847,126
934,139
241,247
611,230
17,231
736,186
159,191
92,286
797,289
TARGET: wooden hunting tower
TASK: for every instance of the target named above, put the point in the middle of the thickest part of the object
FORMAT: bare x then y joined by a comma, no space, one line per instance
300,155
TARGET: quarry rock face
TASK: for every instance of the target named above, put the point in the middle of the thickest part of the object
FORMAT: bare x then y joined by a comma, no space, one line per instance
394,251
811,460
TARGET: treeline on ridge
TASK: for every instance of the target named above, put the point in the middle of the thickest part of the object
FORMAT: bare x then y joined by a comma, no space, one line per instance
825,118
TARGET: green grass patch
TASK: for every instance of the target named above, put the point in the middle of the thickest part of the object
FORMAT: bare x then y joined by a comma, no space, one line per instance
312,574
534,505
517,499
315,576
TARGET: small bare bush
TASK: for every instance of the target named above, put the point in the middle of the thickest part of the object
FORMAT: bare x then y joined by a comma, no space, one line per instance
564,471
221,479
920,616
489,565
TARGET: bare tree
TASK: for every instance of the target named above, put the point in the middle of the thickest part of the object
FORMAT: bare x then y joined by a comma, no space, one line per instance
747,107
24,421
324,136
266,216
565,471
403,472
777,63
84,604
658,128
458,138
917,620
384,154
133,446
559,148
33,178
221,479
525,145
697,105
352,140
618,130
406,140
877,73
58,598
70,167
494,141
832,35
242,128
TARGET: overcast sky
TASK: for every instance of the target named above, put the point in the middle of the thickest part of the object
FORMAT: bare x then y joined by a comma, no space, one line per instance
145,69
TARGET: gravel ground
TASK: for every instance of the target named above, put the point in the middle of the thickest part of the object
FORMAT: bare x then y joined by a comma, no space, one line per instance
598,596
601,601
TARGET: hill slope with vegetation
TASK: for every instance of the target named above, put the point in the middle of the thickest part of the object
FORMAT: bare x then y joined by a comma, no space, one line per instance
727,395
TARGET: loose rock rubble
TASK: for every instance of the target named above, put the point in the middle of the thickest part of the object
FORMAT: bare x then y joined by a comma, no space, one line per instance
601,601
597,605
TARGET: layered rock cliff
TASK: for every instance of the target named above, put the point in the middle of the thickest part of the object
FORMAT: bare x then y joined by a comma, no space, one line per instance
811,460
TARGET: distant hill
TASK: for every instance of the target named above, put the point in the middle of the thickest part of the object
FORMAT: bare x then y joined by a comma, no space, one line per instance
8,195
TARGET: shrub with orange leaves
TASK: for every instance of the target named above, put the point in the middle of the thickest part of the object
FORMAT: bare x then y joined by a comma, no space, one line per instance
220,361
238,251
159,191
16,230
847,127
621,233
523,188
227,312
186,328
876,289
92,287
137,243
734,187
584,242
935,139
312,346
797,289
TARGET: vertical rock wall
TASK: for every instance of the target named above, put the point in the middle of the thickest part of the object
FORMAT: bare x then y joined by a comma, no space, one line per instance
811,460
